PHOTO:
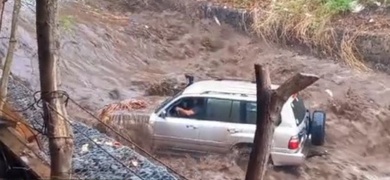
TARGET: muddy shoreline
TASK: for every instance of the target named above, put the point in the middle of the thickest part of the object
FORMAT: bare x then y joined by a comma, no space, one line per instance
374,48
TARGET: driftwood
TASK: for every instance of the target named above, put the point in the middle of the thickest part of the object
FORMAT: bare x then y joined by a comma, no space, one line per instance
269,105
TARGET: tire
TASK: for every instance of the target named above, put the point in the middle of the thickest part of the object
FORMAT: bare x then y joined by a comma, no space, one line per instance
317,128
242,150
240,153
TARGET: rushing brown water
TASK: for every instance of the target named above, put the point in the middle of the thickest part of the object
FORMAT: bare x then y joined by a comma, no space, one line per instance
103,51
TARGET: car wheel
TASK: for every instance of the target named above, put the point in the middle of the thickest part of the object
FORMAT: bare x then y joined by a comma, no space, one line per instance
241,155
317,129
242,151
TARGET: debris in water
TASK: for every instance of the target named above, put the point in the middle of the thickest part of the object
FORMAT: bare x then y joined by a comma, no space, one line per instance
84,148
24,159
330,93
217,21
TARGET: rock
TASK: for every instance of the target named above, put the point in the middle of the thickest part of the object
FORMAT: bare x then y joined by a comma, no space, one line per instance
114,167
114,94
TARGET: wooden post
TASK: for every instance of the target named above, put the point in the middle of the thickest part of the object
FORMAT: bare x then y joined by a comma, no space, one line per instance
59,131
269,105
10,54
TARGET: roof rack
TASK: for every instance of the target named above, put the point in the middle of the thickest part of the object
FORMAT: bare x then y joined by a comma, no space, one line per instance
235,79
241,94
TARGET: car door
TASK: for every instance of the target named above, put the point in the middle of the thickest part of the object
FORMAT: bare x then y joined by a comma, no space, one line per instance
302,117
216,126
176,132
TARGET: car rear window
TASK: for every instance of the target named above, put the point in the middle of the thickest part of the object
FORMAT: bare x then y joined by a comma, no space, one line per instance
299,109
231,111
250,113
218,109
248,116
235,114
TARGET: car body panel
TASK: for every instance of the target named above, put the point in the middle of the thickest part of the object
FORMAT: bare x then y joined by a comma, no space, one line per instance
176,132
216,136
291,159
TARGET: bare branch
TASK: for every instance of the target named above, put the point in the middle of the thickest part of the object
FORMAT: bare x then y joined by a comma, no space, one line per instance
269,106
295,84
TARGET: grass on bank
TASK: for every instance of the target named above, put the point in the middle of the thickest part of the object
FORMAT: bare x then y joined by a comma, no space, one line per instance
307,22
67,23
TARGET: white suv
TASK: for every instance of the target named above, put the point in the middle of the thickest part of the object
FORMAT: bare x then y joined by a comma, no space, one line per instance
226,120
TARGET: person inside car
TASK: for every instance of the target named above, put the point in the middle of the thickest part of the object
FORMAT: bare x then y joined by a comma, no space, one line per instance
193,112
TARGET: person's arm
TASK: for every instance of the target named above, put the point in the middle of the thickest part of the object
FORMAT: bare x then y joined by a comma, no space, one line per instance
185,112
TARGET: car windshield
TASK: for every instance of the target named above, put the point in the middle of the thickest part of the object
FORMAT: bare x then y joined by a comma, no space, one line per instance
166,101
299,109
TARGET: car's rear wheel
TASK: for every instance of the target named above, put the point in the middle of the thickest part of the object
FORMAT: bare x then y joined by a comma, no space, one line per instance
241,153
317,129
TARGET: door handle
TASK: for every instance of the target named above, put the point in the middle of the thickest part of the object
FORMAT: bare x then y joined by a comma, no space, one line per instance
233,130
191,126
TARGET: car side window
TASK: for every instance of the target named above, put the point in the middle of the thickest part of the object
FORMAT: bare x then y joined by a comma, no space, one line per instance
299,109
250,113
188,103
218,109
166,101
236,112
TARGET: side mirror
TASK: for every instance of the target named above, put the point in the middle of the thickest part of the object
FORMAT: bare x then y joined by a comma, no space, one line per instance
163,114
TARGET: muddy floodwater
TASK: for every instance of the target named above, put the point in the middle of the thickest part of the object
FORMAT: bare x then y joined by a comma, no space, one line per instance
104,51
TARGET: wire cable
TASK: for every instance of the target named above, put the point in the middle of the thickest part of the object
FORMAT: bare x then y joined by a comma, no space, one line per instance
68,98
59,94
98,145
78,130
128,140
29,127
19,120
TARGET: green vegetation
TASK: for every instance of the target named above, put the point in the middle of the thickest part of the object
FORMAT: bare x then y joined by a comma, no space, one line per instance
308,22
67,23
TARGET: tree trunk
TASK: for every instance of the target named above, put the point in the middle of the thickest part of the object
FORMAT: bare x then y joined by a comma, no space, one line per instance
10,54
1,15
59,131
269,106
264,129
